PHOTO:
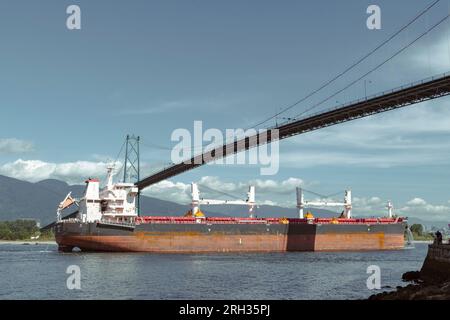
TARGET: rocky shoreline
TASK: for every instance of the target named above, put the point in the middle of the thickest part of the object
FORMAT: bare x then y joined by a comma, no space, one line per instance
418,289
432,282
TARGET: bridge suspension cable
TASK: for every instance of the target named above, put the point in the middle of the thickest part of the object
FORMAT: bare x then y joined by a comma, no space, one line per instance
374,69
344,72
397,98
321,196
424,90
219,192
195,149
351,67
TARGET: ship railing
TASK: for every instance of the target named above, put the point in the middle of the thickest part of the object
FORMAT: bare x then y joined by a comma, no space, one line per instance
118,223
358,221
207,220
230,220
165,220
71,220
346,221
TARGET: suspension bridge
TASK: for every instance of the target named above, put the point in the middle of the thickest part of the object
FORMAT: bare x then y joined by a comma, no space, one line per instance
407,95
413,93
427,89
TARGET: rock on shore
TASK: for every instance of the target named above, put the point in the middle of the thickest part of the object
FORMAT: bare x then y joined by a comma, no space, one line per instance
432,282
421,291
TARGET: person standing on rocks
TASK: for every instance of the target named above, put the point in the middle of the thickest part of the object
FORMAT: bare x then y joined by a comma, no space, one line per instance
438,238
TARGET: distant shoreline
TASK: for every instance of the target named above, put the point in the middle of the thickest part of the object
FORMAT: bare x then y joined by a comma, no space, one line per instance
30,242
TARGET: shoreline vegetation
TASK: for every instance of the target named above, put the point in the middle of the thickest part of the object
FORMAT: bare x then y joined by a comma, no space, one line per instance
419,234
31,242
23,230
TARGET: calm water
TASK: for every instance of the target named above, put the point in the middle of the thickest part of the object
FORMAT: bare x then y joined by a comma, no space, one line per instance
39,272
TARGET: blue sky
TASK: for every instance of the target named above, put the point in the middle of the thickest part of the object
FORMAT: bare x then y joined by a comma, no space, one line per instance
68,98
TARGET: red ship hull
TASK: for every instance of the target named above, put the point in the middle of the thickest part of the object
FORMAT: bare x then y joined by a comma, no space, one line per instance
258,235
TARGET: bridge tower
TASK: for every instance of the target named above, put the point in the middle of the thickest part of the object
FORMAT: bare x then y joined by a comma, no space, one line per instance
131,168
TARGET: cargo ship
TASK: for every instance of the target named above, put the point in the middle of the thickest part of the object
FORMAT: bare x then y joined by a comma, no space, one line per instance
107,221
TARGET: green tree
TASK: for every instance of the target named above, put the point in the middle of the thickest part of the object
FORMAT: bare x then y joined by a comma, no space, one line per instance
417,229
18,230
5,232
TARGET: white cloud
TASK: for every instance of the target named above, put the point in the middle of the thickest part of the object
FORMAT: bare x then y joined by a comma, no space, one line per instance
420,208
36,170
282,193
170,191
428,211
12,145
414,136
416,207
369,206
374,200
432,54
269,192
275,187
417,202
216,184
267,203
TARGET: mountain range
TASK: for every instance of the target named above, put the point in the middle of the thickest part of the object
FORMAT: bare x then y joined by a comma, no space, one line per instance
26,200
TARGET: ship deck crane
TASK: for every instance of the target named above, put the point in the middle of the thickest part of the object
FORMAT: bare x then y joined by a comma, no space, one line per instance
67,202
347,204
197,201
